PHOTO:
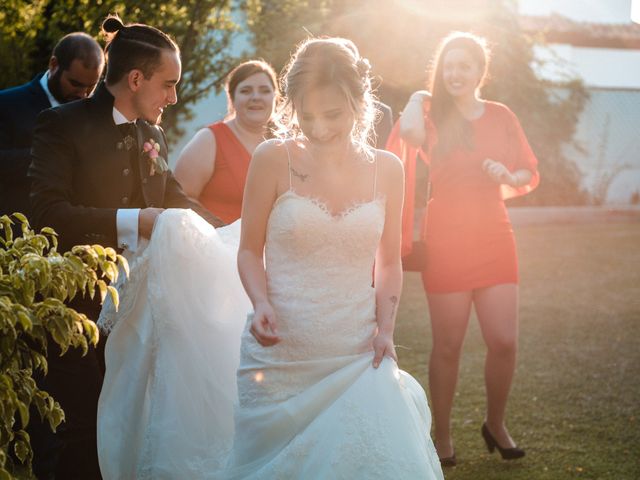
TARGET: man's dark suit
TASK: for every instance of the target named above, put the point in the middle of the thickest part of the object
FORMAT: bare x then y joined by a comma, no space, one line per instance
82,172
19,107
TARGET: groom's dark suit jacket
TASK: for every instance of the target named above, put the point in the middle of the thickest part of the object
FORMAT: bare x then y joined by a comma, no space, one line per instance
19,107
82,172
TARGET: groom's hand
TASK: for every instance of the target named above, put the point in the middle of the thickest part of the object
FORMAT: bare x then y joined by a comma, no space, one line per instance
146,220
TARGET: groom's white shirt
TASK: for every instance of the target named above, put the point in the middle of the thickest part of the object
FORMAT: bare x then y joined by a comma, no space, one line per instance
126,218
44,83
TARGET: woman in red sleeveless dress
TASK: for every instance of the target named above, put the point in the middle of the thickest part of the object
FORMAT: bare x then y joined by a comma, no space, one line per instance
478,157
213,166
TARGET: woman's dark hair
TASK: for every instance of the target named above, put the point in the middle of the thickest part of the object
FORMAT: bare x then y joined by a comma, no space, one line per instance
133,46
453,129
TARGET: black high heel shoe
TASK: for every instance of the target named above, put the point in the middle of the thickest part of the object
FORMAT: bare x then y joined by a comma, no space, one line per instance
449,461
492,444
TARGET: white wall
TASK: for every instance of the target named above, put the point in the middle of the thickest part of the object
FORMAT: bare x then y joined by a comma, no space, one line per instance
612,110
598,67
600,11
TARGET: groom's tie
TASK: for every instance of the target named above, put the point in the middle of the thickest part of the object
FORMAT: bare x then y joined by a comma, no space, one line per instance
129,134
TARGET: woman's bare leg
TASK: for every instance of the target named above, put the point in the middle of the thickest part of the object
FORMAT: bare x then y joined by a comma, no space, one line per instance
497,310
449,320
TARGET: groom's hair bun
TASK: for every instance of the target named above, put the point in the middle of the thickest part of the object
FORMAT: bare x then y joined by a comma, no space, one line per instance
133,46
112,24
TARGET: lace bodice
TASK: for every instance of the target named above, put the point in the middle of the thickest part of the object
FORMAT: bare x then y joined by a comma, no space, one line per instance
311,252
319,275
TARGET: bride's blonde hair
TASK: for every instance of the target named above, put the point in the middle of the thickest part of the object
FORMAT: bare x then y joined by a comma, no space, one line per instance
321,62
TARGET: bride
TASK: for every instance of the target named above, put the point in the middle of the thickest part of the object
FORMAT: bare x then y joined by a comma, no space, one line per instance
319,394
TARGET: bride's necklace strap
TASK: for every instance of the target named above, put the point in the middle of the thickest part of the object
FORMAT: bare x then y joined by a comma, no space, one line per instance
375,175
286,147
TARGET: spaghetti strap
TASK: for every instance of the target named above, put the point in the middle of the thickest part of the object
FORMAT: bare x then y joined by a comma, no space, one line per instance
286,147
375,177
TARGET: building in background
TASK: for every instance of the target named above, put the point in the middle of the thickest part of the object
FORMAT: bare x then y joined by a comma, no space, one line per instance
597,42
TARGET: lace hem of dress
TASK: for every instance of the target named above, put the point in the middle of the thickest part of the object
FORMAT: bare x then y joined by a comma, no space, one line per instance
138,269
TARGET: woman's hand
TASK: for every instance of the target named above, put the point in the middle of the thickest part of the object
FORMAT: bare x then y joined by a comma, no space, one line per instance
412,128
383,346
264,325
499,173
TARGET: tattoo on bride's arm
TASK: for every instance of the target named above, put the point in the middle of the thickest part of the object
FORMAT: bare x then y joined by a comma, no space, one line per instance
394,305
301,176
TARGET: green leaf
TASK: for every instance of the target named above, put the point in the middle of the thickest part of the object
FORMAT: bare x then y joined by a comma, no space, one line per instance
111,253
91,330
124,264
100,251
23,410
91,286
25,321
21,217
56,417
114,296
102,287
22,450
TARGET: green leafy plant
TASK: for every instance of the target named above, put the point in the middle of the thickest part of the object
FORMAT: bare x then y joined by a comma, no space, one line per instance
35,283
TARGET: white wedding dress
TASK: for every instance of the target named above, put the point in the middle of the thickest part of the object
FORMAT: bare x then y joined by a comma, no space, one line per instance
166,405
310,407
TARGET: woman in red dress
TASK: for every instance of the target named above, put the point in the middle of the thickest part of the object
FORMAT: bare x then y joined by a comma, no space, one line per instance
478,156
213,166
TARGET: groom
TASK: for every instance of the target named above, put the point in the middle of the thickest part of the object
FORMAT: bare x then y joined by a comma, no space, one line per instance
100,176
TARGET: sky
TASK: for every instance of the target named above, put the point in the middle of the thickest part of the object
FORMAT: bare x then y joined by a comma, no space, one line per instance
603,11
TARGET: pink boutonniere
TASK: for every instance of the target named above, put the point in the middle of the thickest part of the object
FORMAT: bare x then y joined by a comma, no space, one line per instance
157,164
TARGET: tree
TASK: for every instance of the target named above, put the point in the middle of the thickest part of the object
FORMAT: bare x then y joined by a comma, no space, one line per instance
202,28
35,283
400,38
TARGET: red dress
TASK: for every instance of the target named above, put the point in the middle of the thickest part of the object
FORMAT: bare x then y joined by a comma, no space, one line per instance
222,195
469,240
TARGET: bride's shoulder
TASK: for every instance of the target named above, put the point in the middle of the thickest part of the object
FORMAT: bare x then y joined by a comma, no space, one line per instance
390,172
269,153
388,163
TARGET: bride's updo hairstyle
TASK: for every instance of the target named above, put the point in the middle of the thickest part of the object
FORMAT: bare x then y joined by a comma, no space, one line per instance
133,46
322,62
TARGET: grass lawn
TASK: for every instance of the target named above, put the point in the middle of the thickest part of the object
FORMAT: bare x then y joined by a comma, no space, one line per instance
575,401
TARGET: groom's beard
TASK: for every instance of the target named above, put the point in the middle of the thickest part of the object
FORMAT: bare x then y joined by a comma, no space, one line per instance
55,87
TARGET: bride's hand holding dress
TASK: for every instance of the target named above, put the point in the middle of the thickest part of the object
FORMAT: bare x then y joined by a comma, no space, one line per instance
264,325
383,347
